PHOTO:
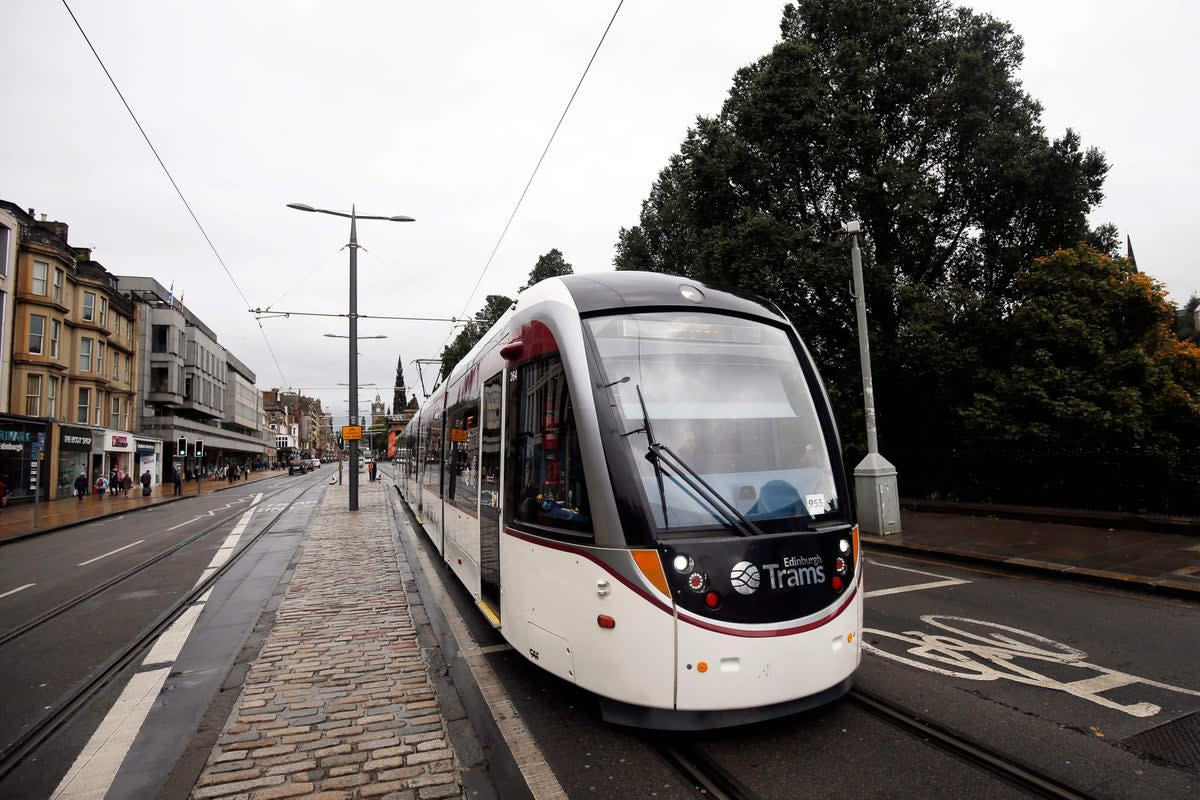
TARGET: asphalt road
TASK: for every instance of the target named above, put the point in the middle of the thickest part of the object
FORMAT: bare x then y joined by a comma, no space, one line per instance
42,665
1054,676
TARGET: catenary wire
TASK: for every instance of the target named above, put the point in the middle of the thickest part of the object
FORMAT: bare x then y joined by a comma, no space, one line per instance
536,167
170,177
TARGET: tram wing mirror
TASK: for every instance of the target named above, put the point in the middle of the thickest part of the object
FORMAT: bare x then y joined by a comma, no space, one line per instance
513,350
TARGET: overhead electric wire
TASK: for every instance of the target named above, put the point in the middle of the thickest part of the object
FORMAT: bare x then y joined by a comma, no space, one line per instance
170,177
532,175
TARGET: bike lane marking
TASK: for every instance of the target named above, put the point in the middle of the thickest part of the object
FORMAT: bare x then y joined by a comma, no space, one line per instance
943,581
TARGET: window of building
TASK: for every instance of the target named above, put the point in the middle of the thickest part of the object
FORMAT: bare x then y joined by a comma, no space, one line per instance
128,361
104,311
3,312
159,338
33,396
115,420
546,486
52,397
85,402
160,379
116,362
3,251
37,333
187,388
55,333
58,285
41,271
96,407
85,355
89,306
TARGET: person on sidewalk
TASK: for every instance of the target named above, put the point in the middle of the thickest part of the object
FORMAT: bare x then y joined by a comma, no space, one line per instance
176,482
101,487
3,492
126,483
81,485
146,483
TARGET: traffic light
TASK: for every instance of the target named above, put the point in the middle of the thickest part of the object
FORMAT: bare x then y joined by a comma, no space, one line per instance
199,449
181,447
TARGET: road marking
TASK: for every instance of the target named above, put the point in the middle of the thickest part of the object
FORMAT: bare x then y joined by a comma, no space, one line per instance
95,768
212,513
109,553
916,587
18,589
989,651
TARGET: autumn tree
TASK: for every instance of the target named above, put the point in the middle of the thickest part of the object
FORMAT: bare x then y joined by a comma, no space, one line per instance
1097,398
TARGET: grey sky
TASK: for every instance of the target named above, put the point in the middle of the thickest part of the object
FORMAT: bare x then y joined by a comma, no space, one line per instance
439,111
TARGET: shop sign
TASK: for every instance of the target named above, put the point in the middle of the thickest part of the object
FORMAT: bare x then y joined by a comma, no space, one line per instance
118,441
76,439
144,446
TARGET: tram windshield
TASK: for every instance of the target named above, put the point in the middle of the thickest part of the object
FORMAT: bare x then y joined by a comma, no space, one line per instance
729,398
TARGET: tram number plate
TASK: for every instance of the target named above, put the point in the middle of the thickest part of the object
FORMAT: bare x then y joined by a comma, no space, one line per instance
815,503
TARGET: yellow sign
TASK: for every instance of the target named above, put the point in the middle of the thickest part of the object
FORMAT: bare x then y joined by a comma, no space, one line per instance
351,432
458,435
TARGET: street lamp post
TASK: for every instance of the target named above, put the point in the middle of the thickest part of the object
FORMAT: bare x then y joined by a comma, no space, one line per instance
354,216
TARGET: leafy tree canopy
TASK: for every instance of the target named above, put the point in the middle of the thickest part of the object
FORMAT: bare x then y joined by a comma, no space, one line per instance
550,265
907,115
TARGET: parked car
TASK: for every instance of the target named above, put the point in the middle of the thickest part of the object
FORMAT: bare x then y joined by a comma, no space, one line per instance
297,466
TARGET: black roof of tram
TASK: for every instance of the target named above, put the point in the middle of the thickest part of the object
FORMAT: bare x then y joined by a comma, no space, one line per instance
611,291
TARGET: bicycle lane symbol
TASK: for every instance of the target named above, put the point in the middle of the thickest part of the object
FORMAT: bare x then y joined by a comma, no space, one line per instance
987,651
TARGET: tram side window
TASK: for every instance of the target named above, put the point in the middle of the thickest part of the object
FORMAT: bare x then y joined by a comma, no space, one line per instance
462,457
545,484
431,457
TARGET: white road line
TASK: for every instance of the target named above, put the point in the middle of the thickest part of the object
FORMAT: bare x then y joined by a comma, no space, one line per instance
18,589
109,553
95,768
916,587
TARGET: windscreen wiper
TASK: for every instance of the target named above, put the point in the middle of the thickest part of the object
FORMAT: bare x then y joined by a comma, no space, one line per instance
658,473
662,456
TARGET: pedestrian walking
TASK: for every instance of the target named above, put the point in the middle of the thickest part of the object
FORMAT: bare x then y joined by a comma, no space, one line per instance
101,487
175,480
146,483
114,478
126,483
81,485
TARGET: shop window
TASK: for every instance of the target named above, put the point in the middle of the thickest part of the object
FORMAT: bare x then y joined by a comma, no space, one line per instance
462,457
545,485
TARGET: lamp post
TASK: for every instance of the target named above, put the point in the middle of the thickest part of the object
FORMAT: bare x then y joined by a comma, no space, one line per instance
354,216
875,486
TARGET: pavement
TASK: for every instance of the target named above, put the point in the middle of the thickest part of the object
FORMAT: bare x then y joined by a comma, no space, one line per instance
345,701
17,520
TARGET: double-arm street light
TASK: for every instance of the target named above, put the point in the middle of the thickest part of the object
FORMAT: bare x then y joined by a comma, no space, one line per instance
353,216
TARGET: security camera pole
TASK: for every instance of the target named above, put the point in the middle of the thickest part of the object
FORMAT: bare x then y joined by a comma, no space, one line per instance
875,489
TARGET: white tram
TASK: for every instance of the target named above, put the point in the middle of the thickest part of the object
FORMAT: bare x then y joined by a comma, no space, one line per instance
632,474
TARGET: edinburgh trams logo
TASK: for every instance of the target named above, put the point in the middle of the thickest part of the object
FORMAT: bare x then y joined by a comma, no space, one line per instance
795,571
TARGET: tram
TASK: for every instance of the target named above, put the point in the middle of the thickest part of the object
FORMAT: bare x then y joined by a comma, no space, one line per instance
638,478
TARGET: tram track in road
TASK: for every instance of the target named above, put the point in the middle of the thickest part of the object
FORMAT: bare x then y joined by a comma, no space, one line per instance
709,777
137,569
77,697
1038,784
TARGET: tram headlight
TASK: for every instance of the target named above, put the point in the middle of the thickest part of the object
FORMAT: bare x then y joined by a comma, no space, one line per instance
682,563
844,546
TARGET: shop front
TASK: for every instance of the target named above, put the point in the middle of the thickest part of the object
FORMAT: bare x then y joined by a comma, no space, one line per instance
147,454
74,454
20,437
112,451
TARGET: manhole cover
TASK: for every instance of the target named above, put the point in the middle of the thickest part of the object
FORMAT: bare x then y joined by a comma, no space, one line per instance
1177,742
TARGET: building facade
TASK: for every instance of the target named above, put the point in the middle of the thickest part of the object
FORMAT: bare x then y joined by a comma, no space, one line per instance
195,390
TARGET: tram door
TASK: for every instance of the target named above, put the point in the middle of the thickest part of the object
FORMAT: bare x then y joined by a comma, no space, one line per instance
489,494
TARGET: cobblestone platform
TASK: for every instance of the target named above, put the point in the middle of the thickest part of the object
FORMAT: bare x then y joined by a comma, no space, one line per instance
339,703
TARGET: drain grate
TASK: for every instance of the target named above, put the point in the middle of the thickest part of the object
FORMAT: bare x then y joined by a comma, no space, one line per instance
1177,742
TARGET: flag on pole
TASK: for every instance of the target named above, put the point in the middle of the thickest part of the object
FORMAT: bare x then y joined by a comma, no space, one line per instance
171,294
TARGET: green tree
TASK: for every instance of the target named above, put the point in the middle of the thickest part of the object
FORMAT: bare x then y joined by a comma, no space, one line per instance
550,265
493,308
907,115
1185,322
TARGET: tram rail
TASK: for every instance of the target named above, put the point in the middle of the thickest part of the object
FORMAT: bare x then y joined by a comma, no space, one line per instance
74,699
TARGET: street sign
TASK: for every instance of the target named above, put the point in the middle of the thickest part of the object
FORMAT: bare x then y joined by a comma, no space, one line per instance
351,432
